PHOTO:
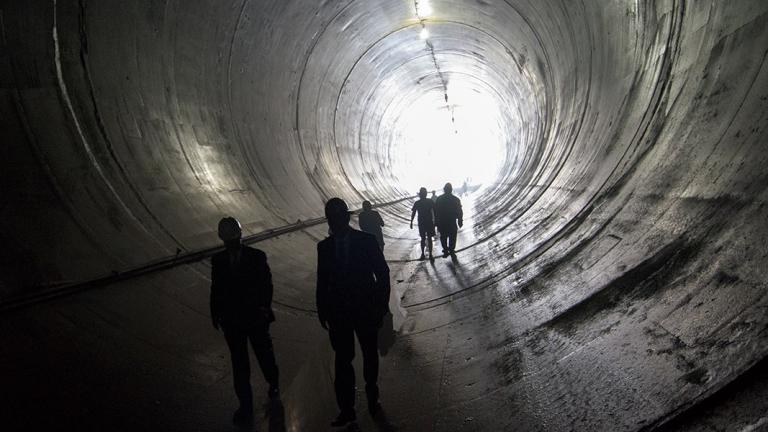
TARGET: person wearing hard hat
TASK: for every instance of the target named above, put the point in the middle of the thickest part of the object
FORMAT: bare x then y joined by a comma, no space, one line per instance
352,299
241,306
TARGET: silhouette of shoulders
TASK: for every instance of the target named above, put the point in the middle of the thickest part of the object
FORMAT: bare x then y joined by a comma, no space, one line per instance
447,197
423,203
370,221
247,253
355,236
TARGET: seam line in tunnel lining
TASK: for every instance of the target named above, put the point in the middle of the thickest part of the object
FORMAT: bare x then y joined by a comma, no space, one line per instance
165,264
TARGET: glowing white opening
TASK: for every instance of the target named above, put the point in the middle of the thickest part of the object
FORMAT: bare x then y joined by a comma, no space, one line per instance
424,33
432,149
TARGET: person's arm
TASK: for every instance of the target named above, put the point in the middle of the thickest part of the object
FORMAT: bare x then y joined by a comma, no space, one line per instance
265,286
413,214
215,294
433,213
460,213
321,294
381,221
381,271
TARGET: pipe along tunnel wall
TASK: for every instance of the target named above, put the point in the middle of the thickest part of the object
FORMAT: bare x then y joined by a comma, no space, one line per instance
609,277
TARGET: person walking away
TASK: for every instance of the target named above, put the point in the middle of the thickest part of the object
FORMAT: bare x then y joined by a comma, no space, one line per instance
370,221
241,305
352,299
426,222
447,213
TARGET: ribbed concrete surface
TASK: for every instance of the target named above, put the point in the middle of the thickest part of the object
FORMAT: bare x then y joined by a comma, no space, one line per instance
610,279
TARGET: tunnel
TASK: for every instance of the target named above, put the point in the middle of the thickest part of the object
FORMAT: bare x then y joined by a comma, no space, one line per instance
610,157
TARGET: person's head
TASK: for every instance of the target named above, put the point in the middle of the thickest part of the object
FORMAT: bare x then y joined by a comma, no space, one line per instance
337,214
366,205
448,188
230,231
423,192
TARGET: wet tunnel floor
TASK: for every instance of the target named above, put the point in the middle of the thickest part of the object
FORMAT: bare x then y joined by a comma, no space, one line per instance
470,354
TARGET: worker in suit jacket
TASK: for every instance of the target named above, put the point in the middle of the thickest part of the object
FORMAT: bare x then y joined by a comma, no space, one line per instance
241,299
352,299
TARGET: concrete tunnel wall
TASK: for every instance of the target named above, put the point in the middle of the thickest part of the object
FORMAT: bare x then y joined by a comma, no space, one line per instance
610,279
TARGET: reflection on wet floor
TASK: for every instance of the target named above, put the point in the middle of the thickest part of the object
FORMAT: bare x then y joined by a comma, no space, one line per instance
475,342
479,340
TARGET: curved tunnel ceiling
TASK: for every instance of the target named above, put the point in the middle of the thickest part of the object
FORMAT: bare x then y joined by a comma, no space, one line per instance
609,274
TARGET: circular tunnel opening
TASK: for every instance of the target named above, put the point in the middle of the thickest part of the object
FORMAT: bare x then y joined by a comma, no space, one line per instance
456,106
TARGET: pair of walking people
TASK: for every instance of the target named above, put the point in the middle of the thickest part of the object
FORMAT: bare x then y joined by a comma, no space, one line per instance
445,212
352,296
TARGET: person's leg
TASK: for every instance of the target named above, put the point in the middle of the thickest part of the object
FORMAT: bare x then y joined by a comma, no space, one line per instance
452,233
343,343
429,244
241,368
367,335
261,342
423,243
444,239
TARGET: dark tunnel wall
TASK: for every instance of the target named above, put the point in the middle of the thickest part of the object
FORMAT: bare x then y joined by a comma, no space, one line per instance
630,205
185,136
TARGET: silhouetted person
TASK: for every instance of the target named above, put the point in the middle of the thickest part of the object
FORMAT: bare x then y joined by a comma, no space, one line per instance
371,222
241,299
352,299
447,213
426,210
464,187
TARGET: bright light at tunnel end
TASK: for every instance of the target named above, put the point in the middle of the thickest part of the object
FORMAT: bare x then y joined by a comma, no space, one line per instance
460,143
452,134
